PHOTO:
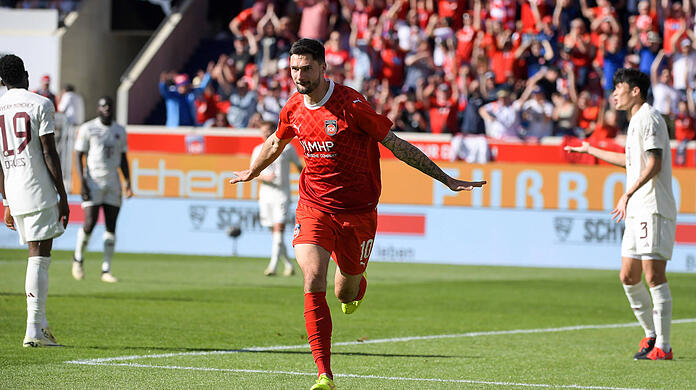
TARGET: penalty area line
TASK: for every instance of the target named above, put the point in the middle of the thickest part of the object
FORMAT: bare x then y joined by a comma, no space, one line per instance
380,377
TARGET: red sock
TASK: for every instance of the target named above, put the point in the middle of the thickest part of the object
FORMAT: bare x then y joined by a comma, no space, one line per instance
361,289
318,324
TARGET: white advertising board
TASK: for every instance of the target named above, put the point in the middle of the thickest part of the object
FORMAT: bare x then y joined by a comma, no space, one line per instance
448,234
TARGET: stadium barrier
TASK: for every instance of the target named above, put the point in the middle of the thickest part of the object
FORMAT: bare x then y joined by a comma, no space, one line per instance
532,214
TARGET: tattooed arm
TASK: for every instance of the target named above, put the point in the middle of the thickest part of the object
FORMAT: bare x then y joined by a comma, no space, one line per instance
413,156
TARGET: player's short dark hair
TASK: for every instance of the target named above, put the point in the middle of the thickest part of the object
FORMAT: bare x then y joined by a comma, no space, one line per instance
12,70
634,78
306,46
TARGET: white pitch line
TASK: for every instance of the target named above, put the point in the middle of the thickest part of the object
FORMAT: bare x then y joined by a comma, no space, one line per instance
109,361
393,378
375,341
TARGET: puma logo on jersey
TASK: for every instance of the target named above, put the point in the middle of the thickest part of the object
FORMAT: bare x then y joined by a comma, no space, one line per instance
297,127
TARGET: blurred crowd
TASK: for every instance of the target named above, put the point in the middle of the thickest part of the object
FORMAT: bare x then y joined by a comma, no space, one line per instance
513,70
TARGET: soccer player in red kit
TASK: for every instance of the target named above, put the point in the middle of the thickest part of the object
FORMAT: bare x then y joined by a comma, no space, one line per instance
339,188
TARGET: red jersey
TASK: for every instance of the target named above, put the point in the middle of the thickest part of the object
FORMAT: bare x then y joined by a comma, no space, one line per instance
339,137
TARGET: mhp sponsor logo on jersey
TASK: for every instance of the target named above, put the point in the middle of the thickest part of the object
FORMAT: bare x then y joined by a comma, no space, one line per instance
330,127
320,149
573,230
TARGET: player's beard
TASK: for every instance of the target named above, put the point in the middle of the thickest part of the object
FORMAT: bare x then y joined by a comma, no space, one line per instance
308,88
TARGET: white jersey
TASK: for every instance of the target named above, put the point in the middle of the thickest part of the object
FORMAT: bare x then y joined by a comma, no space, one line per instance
104,146
279,188
24,117
647,130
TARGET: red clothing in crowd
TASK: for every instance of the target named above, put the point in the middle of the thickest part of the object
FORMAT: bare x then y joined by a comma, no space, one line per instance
339,138
443,116
502,64
465,43
672,26
684,127
336,57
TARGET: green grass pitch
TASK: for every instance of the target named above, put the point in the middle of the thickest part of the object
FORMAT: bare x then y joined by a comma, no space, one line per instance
491,328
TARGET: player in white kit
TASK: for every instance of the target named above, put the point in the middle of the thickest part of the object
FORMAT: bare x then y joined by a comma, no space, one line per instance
649,209
31,183
274,198
103,143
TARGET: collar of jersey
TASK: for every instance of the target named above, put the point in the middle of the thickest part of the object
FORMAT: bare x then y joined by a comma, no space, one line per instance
323,101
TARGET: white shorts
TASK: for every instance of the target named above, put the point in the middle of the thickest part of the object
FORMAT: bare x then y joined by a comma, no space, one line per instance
649,237
271,213
39,225
103,192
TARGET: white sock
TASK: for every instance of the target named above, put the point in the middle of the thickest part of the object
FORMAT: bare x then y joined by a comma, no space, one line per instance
276,248
36,288
81,245
662,315
639,298
109,244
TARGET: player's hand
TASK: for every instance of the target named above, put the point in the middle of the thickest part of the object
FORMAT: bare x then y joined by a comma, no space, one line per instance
619,213
9,221
459,185
84,192
584,148
242,176
63,212
129,192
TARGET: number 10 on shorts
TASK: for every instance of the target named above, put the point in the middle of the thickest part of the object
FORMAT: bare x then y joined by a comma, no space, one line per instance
366,249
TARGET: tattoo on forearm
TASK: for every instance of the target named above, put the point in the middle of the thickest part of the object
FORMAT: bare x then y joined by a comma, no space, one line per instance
413,156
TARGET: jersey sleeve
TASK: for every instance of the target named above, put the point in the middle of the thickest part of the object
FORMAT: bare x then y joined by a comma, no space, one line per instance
82,140
649,134
368,120
46,116
285,129
124,140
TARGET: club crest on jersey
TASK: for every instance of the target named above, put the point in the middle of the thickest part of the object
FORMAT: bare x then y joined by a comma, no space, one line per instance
330,127
296,232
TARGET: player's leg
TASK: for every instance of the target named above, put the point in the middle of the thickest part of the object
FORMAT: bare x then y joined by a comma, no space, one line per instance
314,241
110,217
314,262
279,246
637,294
656,278
83,235
38,230
353,251
266,220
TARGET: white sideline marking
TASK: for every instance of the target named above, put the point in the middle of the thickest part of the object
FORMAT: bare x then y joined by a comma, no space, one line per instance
109,361
394,378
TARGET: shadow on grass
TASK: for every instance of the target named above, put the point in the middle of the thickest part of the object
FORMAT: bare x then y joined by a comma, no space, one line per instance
223,351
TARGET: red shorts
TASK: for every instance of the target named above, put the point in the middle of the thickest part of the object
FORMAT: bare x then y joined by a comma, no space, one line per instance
349,237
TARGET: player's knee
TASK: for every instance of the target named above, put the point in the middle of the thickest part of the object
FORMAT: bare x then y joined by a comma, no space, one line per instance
655,279
109,238
627,279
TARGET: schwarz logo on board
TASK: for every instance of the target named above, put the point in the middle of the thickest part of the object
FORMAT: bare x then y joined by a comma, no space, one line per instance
590,231
330,127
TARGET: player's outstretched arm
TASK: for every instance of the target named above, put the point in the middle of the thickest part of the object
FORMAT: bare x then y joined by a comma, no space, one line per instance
270,151
411,155
615,158
52,160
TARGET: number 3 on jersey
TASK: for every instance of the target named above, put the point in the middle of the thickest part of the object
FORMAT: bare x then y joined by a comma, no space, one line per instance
366,249
21,124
